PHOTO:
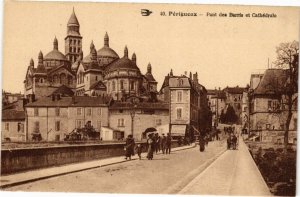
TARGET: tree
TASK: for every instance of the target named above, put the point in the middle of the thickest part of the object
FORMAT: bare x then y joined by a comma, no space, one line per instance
287,58
230,115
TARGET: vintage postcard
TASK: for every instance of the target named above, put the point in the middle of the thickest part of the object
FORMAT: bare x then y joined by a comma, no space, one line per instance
132,98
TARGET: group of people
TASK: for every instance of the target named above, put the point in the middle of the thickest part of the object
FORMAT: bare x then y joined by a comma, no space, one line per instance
232,141
155,143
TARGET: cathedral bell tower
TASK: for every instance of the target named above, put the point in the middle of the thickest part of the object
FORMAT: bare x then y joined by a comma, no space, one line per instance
73,40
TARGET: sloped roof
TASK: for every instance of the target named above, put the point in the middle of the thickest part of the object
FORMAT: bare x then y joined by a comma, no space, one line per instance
272,82
99,85
234,90
73,19
179,82
64,91
141,105
76,101
149,77
12,114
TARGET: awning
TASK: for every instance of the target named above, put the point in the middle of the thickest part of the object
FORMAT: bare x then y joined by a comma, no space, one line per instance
178,130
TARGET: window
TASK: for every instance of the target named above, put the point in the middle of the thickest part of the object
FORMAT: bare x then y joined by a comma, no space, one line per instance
113,86
36,111
36,126
179,113
88,111
99,124
96,78
79,112
179,96
131,85
99,111
121,84
20,127
158,122
79,123
7,126
121,122
57,126
180,82
57,111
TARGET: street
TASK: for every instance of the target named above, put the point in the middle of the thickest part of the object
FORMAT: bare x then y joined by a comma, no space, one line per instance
164,174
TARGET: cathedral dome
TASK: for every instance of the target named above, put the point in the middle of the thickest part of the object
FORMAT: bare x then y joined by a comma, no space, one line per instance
123,63
107,52
55,54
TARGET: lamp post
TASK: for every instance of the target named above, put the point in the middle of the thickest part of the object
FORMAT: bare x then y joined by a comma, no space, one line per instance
132,114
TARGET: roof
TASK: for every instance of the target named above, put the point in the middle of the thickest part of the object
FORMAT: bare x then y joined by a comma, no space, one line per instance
76,101
216,93
234,90
123,63
141,105
64,91
73,19
55,55
272,82
12,114
99,85
150,77
181,82
106,51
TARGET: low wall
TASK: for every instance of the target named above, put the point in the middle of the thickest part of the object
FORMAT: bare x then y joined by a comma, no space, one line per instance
22,159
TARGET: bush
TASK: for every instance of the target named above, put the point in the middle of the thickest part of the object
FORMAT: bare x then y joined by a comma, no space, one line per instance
278,169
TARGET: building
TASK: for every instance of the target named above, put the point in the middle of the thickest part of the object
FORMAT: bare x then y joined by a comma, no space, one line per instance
101,72
234,97
54,117
188,104
139,118
13,125
217,103
268,108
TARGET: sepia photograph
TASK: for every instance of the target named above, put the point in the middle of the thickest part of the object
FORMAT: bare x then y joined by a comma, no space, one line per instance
149,98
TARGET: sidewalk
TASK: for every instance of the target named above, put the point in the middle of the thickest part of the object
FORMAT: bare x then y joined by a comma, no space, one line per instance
35,175
233,173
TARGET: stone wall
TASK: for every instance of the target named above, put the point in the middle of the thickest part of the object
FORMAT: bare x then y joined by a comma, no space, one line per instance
17,160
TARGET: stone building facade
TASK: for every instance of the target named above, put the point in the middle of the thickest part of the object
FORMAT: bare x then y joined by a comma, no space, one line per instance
268,108
188,104
54,117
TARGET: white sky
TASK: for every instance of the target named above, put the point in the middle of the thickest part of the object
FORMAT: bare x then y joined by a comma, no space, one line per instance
224,51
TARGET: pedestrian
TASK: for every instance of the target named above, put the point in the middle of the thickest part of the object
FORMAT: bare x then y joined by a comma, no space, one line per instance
139,149
157,142
163,143
201,143
228,142
129,147
151,146
168,143
206,139
234,141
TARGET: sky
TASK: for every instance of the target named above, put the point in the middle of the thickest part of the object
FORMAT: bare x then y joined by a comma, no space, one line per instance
224,51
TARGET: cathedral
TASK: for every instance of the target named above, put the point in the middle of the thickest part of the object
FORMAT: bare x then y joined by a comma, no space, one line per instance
101,72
